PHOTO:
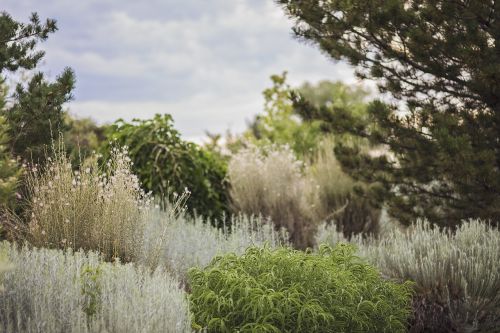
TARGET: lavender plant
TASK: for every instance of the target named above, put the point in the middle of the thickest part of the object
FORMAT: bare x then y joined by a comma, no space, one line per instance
64,291
180,242
456,273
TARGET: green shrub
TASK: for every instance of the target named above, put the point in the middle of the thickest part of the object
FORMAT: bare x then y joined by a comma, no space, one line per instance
285,290
165,163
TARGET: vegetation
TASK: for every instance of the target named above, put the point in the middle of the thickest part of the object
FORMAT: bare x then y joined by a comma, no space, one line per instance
291,291
440,59
165,164
36,109
10,170
337,201
83,137
278,124
456,274
129,228
272,183
178,242
65,291
89,208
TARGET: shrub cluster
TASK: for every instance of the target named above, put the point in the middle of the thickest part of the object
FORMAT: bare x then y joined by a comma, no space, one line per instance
56,291
285,290
337,201
456,272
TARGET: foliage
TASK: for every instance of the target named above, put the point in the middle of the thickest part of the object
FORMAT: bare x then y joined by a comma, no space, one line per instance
440,60
18,41
36,115
278,125
337,201
272,183
339,94
91,290
285,290
456,274
10,170
43,293
36,108
165,163
83,137
179,242
90,208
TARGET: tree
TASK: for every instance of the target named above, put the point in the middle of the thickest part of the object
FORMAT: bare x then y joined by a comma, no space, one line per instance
441,60
82,137
278,124
35,113
10,171
165,164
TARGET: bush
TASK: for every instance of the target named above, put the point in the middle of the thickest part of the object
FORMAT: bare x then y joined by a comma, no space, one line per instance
56,291
180,242
456,273
165,163
291,291
272,183
90,208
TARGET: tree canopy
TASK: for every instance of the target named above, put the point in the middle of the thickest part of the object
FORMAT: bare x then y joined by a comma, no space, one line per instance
441,61
35,112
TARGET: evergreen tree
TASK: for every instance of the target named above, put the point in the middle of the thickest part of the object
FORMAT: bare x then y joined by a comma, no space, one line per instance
10,170
35,113
441,60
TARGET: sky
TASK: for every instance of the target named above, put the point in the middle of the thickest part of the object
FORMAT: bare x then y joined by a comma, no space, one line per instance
206,62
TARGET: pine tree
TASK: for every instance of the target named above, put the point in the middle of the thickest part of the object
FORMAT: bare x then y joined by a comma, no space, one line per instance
10,171
35,113
440,60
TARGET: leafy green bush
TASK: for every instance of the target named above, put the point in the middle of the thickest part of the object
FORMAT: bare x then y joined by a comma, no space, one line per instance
165,163
285,290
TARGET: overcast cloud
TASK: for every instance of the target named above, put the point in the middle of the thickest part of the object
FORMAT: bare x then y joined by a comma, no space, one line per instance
205,62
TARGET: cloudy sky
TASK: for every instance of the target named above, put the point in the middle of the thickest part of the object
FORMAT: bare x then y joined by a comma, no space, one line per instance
205,62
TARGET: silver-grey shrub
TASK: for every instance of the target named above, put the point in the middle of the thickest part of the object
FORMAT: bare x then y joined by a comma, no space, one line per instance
56,291
179,242
457,273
